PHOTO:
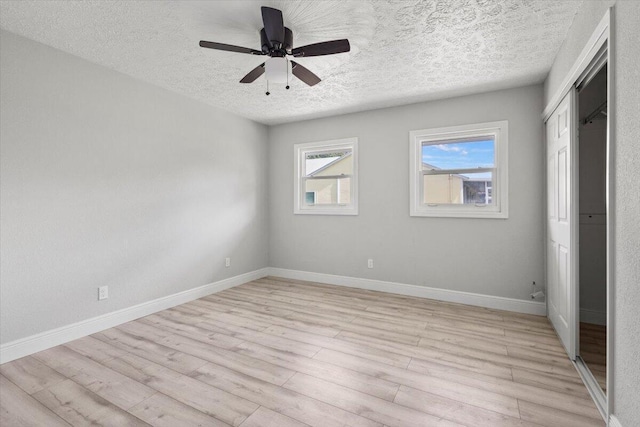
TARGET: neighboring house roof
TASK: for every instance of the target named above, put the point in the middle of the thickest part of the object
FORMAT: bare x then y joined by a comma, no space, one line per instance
430,166
331,163
466,178
315,164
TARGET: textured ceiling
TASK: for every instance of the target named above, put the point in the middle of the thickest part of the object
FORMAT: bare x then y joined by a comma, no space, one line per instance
402,51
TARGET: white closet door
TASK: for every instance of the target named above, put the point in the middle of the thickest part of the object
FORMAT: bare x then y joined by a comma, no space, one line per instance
561,286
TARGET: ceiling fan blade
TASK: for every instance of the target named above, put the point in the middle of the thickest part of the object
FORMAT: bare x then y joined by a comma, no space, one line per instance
304,74
273,25
253,74
323,48
229,47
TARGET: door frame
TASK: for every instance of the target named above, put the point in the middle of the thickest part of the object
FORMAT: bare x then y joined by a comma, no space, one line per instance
591,55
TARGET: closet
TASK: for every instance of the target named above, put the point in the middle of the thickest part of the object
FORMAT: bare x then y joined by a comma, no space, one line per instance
592,225
580,214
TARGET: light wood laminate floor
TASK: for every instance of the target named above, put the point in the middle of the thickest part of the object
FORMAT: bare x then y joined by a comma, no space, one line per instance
278,352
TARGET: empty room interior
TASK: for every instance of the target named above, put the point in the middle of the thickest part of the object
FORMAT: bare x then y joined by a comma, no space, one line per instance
320,213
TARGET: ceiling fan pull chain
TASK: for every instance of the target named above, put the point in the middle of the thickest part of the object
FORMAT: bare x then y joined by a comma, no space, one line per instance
267,93
287,86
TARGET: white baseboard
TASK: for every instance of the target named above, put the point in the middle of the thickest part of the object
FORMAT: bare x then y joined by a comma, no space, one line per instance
480,300
614,422
595,317
44,340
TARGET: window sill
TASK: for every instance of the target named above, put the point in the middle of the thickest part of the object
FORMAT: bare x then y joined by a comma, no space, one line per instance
325,212
442,213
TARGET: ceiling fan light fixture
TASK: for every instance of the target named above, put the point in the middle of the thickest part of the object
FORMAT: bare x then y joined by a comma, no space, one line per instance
276,70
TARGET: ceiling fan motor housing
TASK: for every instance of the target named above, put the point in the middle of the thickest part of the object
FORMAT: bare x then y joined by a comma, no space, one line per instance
285,47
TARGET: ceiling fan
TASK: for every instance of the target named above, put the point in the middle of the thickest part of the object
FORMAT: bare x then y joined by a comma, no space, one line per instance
277,42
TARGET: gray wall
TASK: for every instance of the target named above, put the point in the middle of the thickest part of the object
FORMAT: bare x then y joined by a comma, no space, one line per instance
626,128
487,256
626,388
106,180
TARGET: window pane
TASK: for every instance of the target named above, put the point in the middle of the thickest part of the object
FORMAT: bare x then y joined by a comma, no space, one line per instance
344,191
329,191
443,189
459,154
457,189
478,188
326,163
310,197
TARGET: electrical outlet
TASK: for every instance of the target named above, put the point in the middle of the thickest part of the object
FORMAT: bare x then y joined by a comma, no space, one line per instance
103,292
227,262
369,263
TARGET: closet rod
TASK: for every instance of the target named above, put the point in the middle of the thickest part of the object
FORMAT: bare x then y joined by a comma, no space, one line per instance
601,109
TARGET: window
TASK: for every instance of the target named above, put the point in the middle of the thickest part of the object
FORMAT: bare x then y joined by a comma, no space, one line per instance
326,181
460,171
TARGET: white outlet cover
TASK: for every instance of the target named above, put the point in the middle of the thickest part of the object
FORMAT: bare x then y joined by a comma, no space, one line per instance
103,292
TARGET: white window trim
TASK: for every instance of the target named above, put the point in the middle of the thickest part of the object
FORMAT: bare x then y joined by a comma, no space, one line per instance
500,186
299,206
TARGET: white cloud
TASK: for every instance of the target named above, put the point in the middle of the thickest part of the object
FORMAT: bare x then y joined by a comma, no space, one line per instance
451,148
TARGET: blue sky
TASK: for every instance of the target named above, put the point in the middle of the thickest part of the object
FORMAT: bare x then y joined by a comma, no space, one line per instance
460,155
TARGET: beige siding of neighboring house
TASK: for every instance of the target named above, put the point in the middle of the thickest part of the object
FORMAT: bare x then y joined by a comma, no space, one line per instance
327,190
443,189
439,189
